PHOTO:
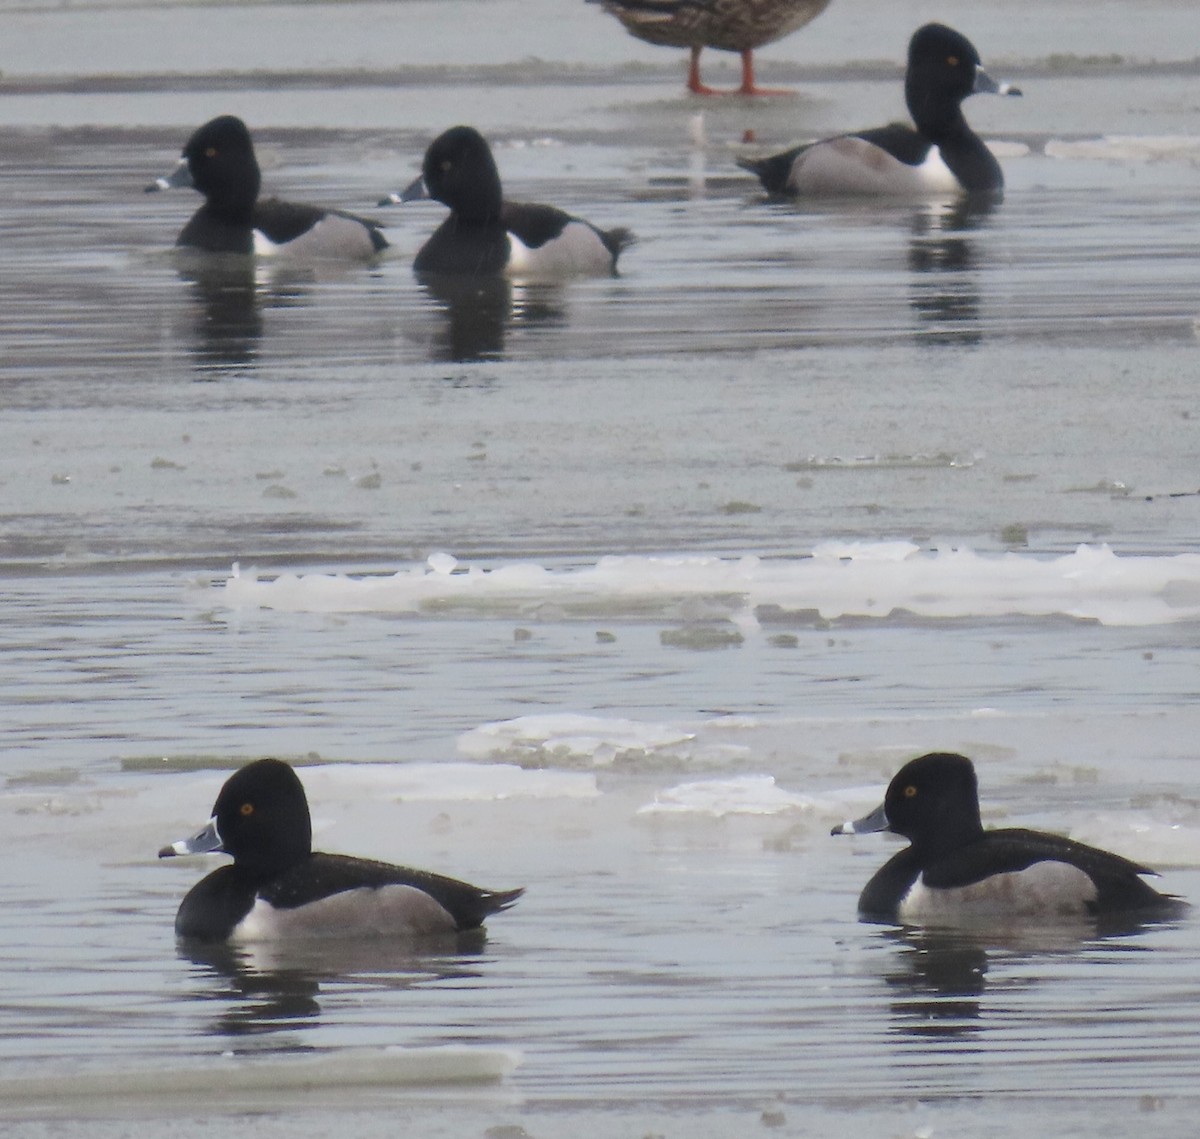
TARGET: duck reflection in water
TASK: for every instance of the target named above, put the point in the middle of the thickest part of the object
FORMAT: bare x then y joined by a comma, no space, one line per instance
941,977
478,314
225,323
944,266
266,988
230,296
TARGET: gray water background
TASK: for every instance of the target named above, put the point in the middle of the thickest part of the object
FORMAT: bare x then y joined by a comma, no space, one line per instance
759,378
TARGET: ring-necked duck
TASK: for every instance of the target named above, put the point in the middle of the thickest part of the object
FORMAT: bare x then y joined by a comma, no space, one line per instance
943,155
485,235
219,161
279,887
727,25
954,869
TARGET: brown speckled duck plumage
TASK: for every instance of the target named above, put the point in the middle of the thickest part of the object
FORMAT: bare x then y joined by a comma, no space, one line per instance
727,25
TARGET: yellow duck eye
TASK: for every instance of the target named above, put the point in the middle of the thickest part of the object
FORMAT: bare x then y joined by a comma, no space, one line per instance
910,792
952,60
247,809
211,152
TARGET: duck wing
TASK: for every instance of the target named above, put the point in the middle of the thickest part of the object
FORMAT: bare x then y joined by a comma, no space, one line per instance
323,875
900,141
778,172
1119,881
281,221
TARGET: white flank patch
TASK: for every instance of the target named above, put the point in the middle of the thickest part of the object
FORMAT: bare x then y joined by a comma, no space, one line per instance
264,246
1045,889
577,251
333,238
855,166
385,911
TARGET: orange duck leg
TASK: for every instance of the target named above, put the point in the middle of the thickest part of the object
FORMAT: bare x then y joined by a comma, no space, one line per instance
748,87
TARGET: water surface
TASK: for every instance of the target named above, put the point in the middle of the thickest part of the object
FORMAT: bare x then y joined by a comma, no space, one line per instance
759,380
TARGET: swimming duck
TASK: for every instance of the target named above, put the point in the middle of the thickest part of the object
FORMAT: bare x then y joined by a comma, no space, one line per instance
279,887
954,869
942,155
486,235
219,161
727,25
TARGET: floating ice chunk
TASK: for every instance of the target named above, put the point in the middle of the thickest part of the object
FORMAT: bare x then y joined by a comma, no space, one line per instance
862,579
758,795
1008,148
249,1077
1151,838
442,562
450,782
562,737
866,551
1127,148
741,795
942,459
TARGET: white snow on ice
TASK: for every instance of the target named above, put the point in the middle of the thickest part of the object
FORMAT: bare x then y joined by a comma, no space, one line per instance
743,795
869,579
595,740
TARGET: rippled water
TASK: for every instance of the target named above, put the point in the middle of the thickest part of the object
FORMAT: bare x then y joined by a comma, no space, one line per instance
760,379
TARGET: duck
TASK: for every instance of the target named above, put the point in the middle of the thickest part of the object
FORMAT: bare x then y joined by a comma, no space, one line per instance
726,25
956,870
487,235
942,155
279,888
219,161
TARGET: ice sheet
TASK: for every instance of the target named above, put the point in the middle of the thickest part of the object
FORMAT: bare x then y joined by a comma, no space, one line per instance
862,579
